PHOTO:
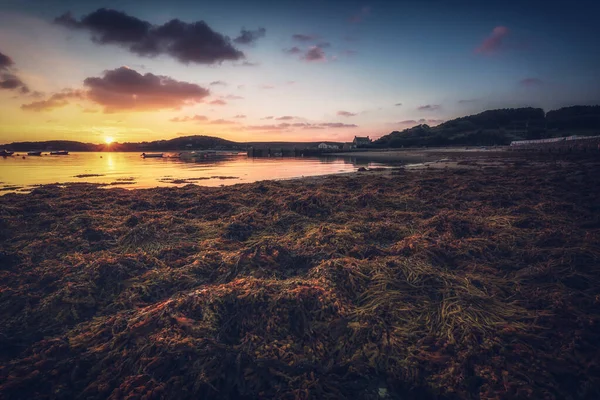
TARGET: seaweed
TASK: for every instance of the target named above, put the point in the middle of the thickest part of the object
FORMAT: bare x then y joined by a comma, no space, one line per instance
441,284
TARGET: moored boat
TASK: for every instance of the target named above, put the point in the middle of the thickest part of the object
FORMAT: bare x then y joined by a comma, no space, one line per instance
59,153
6,153
34,153
152,155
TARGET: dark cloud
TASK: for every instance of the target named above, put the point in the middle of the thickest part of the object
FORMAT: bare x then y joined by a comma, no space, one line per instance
314,54
346,114
5,62
126,89
293,50
247,64
398,104
186,42
302,125
467,101
57,100
531,82
408,122
218,83
494,42
218,102
195,118
324,45
249,37
8,79
301,37
360,15
430,107
349,53
285,118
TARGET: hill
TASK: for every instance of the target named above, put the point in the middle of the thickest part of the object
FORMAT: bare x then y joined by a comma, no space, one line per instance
499,127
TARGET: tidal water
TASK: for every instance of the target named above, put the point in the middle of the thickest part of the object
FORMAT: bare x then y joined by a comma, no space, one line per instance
20,173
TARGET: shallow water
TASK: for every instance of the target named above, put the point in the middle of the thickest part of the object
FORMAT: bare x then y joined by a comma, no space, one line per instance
129,170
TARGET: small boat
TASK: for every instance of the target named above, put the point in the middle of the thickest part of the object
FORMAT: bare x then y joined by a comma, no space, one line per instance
34,153
6,153
192,155
152,155
59,153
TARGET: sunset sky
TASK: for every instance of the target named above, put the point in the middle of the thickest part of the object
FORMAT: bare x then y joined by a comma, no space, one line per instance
284,70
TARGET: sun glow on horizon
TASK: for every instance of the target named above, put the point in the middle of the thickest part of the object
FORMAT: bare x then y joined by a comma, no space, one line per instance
109,139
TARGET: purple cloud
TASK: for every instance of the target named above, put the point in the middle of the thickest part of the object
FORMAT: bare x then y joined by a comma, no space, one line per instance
346,114
314,54
194,42
249,37
430,107
218,102
301,37
284,118
493,43
8,79
218,83
222,122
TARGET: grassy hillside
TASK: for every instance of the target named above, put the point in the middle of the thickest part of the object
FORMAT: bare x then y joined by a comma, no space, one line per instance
499,127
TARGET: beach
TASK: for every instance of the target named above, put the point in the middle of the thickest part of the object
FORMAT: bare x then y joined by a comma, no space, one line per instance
458,279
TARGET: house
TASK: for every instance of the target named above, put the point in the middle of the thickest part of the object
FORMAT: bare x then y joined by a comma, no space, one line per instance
323,146
347,146
361,141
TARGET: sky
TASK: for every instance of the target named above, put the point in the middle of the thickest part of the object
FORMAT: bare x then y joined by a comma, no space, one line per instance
284,70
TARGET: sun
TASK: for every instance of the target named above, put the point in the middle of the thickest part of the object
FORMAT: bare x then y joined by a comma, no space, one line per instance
109,139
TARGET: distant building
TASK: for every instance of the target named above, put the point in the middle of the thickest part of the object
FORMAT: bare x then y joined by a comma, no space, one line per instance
325,146
361,141
347,146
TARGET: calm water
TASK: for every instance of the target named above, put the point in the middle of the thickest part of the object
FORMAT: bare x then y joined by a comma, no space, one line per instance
129,170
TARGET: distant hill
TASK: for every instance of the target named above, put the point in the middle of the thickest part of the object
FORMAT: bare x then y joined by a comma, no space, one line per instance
499,127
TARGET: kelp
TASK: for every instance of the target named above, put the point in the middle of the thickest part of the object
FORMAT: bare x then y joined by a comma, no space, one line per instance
442,283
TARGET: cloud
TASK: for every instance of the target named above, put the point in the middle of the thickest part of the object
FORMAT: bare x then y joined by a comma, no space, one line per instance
222,122
302,125
346,114
239,116
186,42
467,101
249,37
285,118
430,107
360,15
269,117
324,45
293,50
8,79
398,104
531,82
5,62
233,97
493,43
408,122
267,87
218,83
349,53
89,111
126,89
247,64
301,37
195,118
337,125
291,82
57,100
218,102
314,54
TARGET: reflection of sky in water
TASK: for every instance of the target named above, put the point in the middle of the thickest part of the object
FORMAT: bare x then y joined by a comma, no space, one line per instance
116,167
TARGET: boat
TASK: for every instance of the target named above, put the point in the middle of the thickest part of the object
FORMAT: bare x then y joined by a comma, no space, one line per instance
34,153
59,153
152,155
6,153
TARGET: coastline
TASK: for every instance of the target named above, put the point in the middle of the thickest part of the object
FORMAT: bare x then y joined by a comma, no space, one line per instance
461,278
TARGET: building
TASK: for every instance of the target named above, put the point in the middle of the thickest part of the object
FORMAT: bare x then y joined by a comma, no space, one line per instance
325,146
361,141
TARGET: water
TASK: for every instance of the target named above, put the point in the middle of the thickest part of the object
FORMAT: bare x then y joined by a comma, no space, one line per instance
129,170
